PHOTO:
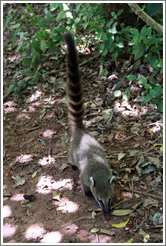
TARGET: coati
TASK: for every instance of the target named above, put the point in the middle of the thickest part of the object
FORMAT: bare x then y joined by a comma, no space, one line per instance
85,152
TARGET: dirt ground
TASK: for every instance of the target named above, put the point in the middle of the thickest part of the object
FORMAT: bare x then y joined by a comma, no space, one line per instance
36,165
42,195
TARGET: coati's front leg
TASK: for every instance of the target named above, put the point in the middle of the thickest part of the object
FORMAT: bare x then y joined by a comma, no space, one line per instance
74,167
87,191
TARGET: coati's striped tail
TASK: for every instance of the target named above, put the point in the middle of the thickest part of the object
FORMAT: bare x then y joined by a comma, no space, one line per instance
74,90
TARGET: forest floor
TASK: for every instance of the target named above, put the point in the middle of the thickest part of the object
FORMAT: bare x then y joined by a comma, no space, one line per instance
42,195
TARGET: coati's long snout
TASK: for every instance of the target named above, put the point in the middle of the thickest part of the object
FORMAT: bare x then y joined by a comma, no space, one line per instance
85,152
103,195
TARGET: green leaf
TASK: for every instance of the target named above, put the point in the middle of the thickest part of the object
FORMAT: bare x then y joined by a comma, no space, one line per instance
104,52
114,15
130,240
17,91
112,30
156,91
152,81
122,212
147,98
153,8
36,76
152,93
43,22
120,12
42,35
94,230
35,45
121,225
43,46
21,83
153,60
120,45
14,36
104,36
109,23
53,6
138,51
142,81
28,6
61,15
160,105
127,91
11,88
126,98
34,57
101,47
26,72
50,17
131,77
34,174
6,21
27,62
148,86
145,31
31,82
135,33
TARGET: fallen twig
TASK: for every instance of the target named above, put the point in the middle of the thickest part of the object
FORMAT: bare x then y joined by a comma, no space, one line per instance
91,58
143,193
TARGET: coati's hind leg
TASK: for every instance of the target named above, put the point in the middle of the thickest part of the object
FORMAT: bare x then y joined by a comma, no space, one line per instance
87,190
74,167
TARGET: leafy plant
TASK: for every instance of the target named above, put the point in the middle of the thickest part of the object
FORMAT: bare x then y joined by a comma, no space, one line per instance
34,46
152,93
110,35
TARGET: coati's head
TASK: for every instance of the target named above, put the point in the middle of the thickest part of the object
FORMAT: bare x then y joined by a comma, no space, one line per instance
103,191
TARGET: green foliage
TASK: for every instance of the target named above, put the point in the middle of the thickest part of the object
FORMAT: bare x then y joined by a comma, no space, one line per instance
131,77
17,87
153,8
151,92
111,37
33,46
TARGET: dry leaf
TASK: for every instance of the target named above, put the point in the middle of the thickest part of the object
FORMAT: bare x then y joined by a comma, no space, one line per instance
56,196
120,156
122,224
63,167
93,214
108,232
130,240
34,174
94,230
18,181
122,212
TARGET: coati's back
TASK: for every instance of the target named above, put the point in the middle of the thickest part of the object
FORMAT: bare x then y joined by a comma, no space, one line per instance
85,152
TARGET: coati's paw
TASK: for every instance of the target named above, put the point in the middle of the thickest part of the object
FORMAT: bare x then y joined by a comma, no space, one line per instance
74,167
88,194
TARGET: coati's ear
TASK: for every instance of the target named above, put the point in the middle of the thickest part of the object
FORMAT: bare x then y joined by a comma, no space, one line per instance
92,181
112,179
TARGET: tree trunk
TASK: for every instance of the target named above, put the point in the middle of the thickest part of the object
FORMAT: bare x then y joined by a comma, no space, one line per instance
146,18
